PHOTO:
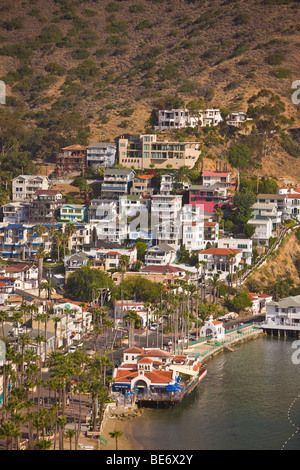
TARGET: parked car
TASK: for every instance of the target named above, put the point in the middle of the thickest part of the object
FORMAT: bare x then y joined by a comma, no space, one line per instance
153,326
72,349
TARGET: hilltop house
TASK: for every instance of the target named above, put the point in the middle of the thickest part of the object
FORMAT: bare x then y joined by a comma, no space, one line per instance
101,154
71,159
144,151
24,186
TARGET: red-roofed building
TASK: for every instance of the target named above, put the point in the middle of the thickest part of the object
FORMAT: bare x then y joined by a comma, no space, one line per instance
224,260
141,185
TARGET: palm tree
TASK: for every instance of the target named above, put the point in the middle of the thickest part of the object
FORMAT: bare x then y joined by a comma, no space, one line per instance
61,423
57,238
50,285
41,253
115,435
44,444
70,229
123,263
132,317
69,434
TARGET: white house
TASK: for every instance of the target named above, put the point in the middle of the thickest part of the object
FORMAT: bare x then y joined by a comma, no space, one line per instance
166,184
236,118
165,218
24,186
101,154
283,315
139,307
220,260
263,229
213,328
245,245
161,254
15,212
193,227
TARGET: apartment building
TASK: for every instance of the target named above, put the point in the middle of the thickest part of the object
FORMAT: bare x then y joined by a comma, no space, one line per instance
141,185
71,159
20,241
116,182
101,154
24,186
15,212
192,227
102,209
166,218
166,183
44,207
145,152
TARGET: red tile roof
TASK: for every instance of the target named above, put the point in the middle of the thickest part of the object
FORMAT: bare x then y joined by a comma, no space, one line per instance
161,269
134,350
220,251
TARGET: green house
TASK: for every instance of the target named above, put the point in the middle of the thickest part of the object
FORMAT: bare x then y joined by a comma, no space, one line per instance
73,213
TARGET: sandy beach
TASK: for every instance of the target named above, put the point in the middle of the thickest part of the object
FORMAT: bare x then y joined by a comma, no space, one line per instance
126,441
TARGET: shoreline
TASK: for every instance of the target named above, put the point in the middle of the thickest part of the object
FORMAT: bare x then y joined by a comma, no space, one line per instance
126,441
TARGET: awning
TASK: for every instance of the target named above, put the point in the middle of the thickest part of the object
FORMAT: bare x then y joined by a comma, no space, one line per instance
174,388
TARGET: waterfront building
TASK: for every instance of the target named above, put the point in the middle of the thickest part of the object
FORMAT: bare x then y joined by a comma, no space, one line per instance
283,316
213,328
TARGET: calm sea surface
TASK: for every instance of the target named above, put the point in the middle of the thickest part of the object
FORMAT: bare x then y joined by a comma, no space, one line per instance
247,401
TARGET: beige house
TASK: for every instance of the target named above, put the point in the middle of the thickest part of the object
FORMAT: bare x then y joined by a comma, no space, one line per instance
145,151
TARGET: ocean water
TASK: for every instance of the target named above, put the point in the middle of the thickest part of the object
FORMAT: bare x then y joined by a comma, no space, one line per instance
247,401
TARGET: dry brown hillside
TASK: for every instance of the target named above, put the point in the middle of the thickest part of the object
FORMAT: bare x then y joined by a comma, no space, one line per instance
102,66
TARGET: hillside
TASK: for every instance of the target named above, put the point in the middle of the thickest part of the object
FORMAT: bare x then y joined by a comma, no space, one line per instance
88,71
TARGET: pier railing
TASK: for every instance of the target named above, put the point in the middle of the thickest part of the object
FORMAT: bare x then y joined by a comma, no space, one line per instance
227,340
